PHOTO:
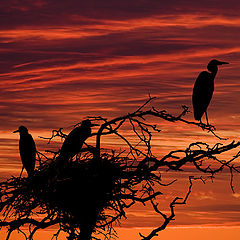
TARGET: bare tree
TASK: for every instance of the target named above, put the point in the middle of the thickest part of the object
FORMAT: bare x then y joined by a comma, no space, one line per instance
91,194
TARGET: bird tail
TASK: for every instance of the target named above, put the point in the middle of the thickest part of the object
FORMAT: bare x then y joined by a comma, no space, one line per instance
198,112
62,160
30,172
197,115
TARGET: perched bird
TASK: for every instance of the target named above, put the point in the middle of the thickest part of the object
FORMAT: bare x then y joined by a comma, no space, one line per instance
27,149
203,89
74,141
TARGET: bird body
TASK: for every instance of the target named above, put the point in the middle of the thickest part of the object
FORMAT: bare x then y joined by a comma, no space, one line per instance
202,94
27,149
203,89
74,141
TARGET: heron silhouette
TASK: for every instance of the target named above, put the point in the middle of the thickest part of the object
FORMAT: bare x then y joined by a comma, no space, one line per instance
27,149
203,89
74,141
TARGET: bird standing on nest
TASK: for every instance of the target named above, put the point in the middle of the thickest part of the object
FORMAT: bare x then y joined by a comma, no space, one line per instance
74,141
203,90
27,149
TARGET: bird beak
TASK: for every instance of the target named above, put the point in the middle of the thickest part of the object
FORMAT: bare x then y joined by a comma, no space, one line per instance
16,131
221,63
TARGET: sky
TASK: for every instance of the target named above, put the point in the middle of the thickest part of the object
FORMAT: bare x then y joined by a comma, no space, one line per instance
61,61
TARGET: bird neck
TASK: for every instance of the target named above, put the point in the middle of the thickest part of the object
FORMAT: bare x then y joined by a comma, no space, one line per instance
22,134
87,130
213,71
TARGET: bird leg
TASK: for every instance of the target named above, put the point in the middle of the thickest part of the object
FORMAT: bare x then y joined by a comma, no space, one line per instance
21,172
206,118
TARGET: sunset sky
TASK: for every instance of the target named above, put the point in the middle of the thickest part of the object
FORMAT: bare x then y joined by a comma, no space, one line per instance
61,61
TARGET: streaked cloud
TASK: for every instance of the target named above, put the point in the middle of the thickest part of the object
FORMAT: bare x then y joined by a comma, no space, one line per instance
63,61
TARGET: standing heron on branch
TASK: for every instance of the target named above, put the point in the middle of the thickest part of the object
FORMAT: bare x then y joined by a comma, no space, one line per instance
74,141
203,90
27,149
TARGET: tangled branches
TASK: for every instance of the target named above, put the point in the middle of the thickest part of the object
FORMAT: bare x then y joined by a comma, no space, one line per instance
92,193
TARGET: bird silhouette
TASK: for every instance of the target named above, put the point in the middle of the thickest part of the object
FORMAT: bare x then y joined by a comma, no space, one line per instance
203,89
27,149
74,141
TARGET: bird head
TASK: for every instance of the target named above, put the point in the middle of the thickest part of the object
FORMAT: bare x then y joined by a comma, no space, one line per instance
212,65
22,129
88,124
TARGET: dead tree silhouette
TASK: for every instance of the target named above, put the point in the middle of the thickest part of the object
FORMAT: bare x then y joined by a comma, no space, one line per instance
94,191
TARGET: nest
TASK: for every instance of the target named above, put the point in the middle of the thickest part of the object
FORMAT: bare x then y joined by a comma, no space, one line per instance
83,197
